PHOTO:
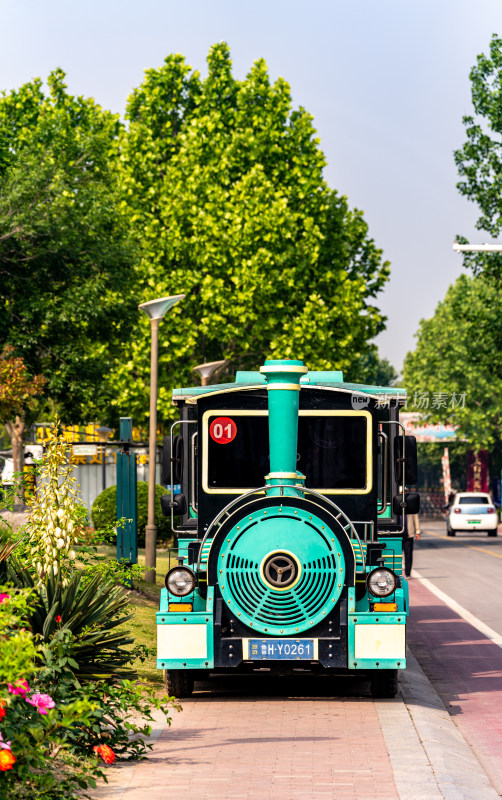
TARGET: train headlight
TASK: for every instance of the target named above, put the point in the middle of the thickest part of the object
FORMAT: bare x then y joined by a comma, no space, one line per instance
180,581
381,582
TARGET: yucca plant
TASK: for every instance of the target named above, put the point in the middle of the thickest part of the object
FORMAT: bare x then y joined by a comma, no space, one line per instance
92,610
6,550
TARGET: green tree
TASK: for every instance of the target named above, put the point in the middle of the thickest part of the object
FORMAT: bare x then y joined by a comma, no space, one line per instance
18,393
370,368
66,262
479,160
222,183
458,356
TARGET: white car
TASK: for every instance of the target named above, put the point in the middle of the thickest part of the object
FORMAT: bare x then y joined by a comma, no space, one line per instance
472,511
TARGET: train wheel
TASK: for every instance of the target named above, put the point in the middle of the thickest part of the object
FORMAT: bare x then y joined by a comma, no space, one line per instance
179,683
383,682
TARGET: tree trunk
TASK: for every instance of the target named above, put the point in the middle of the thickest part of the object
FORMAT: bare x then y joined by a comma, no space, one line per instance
15,431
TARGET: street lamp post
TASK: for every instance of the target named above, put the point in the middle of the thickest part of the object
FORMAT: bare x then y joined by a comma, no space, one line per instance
155,310
103,436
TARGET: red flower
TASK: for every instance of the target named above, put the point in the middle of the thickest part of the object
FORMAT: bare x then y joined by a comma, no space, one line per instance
2,709
105,752
59,618
7,760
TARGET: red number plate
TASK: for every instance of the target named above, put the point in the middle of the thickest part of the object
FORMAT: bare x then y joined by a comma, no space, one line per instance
223,430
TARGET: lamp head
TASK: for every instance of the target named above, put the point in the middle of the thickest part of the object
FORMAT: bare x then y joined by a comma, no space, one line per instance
103,433
207,369
155,309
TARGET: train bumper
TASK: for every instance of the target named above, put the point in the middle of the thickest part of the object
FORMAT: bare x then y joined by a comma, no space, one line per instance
185,640
377,641
366,641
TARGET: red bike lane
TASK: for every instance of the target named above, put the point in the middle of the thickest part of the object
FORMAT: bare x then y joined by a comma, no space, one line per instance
465,668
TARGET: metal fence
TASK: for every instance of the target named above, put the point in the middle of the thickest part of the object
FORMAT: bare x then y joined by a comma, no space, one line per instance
432,504
93,478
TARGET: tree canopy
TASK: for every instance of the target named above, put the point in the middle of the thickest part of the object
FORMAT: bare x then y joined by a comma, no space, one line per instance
214,188
223,182
18,393
66,264
457,363
458,350
479,160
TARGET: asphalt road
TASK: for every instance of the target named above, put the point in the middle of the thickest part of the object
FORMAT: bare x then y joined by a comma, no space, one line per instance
467,568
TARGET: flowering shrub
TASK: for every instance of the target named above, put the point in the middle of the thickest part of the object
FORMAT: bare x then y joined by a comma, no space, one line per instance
35,755
17,647
65,702
58,514
7,760
105,752
113,704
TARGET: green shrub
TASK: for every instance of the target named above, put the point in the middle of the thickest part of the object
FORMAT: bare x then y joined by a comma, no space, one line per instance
120,711
104,511
93,610
65,658
35,730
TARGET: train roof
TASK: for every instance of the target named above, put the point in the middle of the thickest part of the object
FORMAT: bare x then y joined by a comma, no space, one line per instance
325,380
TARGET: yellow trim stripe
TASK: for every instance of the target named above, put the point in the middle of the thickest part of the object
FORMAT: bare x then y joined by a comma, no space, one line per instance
292,387
282,475
285,368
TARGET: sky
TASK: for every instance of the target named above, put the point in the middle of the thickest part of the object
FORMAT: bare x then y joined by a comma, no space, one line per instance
387,82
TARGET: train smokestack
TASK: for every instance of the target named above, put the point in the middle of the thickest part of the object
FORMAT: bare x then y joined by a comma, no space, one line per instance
283,386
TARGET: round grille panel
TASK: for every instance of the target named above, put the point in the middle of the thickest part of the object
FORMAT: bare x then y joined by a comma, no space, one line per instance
312,577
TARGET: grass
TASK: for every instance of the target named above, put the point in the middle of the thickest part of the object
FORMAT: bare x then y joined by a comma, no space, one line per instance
144,598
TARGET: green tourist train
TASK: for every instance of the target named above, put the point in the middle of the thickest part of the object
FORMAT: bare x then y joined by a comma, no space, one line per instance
290,491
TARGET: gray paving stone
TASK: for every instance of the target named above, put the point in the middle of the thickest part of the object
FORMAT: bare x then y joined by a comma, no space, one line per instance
451,764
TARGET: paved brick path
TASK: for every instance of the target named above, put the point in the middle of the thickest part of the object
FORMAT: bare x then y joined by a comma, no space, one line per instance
466,670
314,739
267,747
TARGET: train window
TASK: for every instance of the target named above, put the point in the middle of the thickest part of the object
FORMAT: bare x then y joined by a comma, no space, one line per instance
241,462
333,451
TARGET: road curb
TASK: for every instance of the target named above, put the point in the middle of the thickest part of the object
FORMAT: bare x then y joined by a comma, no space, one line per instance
430,757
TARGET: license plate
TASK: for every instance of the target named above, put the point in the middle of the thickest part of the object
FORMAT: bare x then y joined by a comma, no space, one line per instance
474,522
281,649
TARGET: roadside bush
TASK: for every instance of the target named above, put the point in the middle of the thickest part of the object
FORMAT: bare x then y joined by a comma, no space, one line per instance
112,703
65,655
35,757
94,613
104,512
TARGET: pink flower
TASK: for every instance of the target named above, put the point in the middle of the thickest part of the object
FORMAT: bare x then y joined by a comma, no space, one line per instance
41,701
21,688
4,597
4,745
